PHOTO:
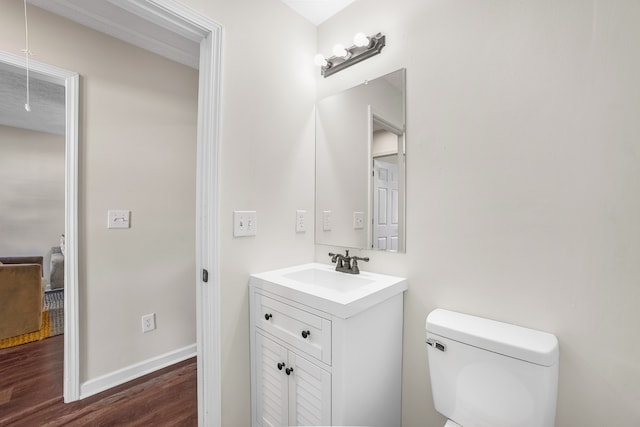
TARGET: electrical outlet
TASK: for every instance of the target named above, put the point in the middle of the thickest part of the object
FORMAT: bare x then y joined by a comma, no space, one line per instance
148,322
326,220
301,223
358,220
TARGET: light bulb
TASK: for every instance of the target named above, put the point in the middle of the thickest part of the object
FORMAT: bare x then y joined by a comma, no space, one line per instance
27,107
320,60
339,51
360,40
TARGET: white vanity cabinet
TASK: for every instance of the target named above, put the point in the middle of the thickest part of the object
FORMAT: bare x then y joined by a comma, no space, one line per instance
292,390
325,358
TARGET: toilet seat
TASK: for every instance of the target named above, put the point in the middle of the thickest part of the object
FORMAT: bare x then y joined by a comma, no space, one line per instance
452,424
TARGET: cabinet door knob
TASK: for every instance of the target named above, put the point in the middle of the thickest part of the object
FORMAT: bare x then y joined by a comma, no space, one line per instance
280,366
288,371
268,316
305,334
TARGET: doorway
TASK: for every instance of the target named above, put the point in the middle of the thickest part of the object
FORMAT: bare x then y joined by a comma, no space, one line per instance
70,81
206,35
386,188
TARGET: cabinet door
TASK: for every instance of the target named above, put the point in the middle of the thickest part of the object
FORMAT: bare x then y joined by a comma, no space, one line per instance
309,393
271,382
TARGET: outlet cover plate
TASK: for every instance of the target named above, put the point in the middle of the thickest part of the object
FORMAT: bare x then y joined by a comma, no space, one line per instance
301,221
358,220
326,220
148,322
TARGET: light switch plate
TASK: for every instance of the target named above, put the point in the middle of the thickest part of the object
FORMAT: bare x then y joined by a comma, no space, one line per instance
118,218
245,223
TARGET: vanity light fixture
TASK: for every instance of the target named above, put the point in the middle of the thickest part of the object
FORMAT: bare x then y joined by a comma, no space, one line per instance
339,51
343,57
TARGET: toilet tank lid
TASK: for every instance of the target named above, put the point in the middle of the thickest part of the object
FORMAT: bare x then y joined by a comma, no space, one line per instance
510,340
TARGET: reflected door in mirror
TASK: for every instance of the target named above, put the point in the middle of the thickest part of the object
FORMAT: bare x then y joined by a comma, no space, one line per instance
385,204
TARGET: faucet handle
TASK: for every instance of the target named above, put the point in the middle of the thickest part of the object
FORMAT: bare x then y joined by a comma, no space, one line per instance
354,263
338,259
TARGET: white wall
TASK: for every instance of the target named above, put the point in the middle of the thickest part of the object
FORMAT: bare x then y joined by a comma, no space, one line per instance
523,181
31,193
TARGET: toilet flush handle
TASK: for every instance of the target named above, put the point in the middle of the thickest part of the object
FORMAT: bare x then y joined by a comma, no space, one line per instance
436,344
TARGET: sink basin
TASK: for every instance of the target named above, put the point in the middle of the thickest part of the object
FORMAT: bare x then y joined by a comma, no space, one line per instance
320,286
338,282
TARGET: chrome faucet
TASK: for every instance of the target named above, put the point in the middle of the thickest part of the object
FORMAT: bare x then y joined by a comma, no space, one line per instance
346,263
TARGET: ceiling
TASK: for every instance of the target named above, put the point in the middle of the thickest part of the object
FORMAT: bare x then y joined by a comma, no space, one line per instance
317,11
46,100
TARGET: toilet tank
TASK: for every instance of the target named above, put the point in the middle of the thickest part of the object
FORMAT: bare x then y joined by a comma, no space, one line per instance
486,373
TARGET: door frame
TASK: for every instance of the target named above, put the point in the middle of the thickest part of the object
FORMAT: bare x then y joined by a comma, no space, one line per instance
172,16
70,81
374,116
168,13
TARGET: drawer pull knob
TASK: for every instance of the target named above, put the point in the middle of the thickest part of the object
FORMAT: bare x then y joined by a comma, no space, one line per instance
305,334
280,366
268,316
288,371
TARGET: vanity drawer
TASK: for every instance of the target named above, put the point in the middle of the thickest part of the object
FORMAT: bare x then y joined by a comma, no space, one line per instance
305,331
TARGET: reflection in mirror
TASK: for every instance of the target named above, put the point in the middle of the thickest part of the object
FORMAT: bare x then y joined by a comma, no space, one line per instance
360,166
387,184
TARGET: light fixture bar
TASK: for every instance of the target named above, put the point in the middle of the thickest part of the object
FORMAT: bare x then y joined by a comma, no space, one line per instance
354,55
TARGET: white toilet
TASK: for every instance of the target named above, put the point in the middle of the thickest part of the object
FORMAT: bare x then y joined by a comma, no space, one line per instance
491,374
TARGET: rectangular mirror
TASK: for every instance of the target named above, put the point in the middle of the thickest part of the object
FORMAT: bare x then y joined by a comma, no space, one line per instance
360,166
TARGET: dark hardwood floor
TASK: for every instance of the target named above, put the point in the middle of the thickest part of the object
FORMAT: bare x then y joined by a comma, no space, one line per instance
31,393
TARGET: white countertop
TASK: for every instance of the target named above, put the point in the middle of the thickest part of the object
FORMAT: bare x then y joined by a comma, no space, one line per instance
321,287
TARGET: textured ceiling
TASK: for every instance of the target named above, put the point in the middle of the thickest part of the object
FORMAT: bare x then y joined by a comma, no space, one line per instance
46,101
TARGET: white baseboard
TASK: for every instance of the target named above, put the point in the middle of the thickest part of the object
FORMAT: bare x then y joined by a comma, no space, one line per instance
121,376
